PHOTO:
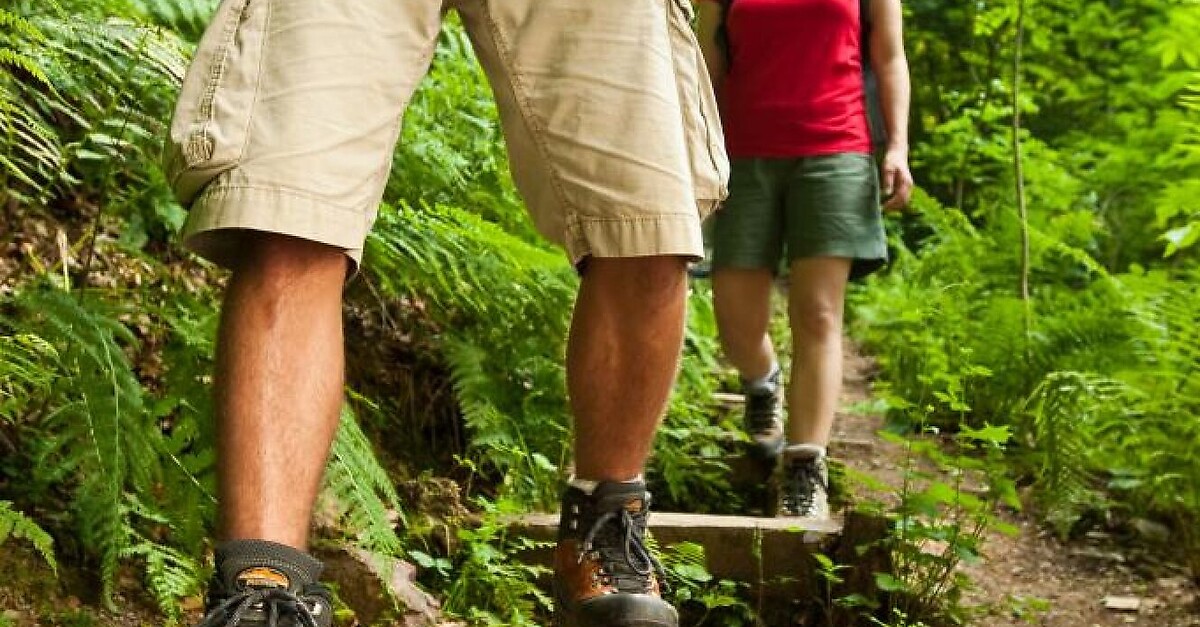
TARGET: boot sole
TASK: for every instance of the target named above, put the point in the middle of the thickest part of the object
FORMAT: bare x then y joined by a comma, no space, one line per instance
564,619
560,622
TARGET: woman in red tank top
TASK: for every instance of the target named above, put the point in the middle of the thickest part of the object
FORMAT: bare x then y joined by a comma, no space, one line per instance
804,188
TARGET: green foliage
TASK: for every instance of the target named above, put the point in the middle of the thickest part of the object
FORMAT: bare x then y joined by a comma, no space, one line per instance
14,524
185,17
504,307
27,369
99,438
947,504
695,591
361,491
940,524
1126,439
1065,414
82,110
451,151
489,583
953,302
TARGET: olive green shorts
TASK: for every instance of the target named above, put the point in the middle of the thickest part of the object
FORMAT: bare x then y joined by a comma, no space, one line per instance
821,206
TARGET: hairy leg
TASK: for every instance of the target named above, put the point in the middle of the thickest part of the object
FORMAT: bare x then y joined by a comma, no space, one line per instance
278,387
742,301
622,359
815,307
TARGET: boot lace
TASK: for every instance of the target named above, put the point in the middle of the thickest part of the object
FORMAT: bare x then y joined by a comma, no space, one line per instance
618,537
278,603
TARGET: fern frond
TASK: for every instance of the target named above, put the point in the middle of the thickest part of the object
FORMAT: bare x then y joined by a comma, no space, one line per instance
100,442
187,17
1069,411
505,305
14,524
170,574
28,365
361,490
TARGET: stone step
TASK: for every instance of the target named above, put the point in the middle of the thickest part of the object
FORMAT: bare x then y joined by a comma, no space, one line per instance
772,556
731,543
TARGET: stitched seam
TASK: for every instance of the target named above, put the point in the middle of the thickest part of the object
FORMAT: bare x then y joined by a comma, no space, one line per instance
216,72
690,37
222,188
258,73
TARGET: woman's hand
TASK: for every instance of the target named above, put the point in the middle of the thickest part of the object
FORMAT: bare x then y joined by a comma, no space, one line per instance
897,181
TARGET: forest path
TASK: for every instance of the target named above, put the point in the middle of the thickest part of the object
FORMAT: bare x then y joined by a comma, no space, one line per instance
1071,580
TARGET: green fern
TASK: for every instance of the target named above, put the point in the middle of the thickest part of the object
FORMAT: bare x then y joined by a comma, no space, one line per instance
360,489
1068,412
500,301
28,366
93,110
100,441
186,17
14,524
170,574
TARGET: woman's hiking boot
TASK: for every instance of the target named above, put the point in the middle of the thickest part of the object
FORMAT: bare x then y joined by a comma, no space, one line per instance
804,488
604,575
265,584
763,420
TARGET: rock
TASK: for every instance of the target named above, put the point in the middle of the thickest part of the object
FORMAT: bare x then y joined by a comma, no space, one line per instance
379,586
1152,531
1122,604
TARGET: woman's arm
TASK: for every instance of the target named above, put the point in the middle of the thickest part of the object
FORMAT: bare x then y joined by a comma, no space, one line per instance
710,15
891,69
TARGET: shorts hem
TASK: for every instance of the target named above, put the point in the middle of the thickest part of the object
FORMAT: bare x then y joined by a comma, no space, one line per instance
856,252
220,209
675,234
864,259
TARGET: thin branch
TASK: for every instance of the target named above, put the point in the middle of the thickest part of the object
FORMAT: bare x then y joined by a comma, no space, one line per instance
1018,171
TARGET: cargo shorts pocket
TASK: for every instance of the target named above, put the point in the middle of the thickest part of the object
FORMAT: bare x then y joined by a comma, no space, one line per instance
211,122
697,102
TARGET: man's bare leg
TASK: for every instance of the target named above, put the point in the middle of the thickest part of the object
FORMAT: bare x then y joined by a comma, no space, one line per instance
279,387
622,359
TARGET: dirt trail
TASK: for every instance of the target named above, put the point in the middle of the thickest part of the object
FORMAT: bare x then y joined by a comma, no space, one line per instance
1074,579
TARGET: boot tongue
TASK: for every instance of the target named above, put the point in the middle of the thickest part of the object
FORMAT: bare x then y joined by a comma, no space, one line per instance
612,496
262,577
261,564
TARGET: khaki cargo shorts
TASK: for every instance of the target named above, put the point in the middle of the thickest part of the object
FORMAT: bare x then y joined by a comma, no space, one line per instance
291,110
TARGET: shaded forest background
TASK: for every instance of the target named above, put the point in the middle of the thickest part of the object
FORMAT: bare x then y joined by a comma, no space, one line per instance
1088,379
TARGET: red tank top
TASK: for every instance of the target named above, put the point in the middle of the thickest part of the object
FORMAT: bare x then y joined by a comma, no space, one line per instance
794,87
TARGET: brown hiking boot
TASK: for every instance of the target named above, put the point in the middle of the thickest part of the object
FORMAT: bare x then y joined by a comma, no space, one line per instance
604,576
